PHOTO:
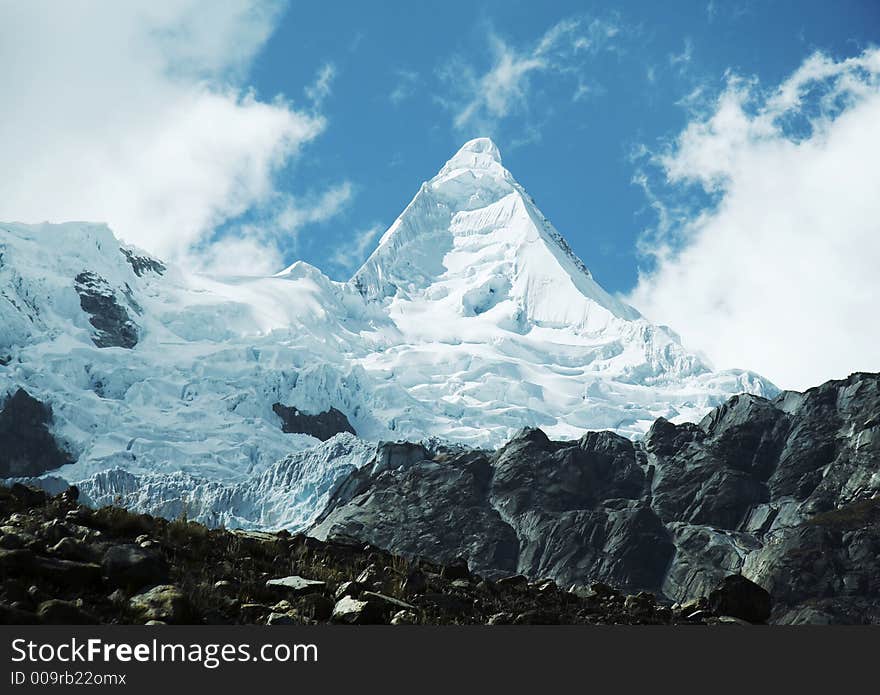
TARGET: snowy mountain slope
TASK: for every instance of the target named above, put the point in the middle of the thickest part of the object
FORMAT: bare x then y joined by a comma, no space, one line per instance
470,320
504,325
195,393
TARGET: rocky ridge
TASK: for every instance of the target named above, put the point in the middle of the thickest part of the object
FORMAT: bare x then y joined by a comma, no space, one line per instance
785,492
63,563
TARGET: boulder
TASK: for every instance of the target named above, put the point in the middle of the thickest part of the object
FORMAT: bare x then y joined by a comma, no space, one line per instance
741,598
295,585
12,541
350,611
280,619
68,573
56,612
516,582
225,587
371,576
457,569
315,606
164,602
536,617
74,549
134,567
14,615
405,618
640,605
389,602
352,589
415,583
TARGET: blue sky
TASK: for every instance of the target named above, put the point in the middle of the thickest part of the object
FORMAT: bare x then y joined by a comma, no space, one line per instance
713,163
569,140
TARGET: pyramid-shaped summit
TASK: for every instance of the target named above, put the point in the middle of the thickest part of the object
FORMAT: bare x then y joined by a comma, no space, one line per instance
474,238
479,153
484,291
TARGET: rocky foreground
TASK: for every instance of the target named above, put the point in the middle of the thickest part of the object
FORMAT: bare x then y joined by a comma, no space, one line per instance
63,563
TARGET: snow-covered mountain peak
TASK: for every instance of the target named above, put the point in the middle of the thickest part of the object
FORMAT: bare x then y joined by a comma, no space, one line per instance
479,154
473,243
472,319
481,146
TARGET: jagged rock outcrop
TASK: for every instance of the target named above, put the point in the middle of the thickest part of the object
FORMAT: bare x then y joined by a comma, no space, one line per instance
322,426
113,324
785,492
143,264
27,447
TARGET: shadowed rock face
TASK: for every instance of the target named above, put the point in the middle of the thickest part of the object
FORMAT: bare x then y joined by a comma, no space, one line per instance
567,510
785,492
111,320
26,446
323,426
143,264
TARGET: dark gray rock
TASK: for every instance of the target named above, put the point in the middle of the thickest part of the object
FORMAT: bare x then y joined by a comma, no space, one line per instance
323,426
351,611
352,589
295,585
27,447
457,569
315,606
133,567
16,561
143,264
57,612
113,324
785,492
738,597
74,549
15,615
405,617
68,573
411,509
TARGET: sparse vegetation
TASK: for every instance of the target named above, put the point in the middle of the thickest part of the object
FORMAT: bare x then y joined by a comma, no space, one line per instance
185,572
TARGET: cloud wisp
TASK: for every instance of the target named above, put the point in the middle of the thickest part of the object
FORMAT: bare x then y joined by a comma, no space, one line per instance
776,268
322,87
349,255
480,100
404,87
137,114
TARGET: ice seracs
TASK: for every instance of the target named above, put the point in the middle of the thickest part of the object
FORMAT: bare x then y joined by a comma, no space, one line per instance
471,319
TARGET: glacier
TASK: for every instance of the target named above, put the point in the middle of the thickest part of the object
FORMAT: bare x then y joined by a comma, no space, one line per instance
471,319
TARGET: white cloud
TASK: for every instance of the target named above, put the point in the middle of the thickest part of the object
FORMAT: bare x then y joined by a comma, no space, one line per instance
135,113
711,11
479,101
246,253
322,87
683,59
349,255
405,87
298,212
779,273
